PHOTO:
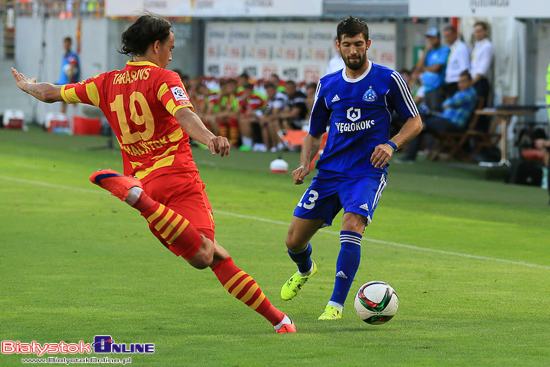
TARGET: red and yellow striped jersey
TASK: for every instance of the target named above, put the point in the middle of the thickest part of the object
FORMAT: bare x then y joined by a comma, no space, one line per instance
140,102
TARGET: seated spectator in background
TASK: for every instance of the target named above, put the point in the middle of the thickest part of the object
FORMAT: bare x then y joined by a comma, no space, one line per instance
193,89
251,106
295,111
184,77
201,100
459,60
209,116
456,112
270,122
432,63
416,86
274,79
242,80
227,112
406,74
311,88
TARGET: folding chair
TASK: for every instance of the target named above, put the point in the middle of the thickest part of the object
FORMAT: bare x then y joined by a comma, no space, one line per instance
453,142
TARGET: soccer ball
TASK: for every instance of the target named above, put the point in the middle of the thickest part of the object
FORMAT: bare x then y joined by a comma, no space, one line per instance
376,302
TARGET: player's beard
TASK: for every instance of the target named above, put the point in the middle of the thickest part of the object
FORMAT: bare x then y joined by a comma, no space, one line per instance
357,63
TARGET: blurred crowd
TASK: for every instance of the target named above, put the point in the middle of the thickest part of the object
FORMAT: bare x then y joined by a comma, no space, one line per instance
254,115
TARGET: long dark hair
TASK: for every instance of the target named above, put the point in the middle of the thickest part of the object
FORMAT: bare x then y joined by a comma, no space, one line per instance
147,29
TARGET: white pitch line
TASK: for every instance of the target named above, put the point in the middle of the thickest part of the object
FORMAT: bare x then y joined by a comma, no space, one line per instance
259,219
393,243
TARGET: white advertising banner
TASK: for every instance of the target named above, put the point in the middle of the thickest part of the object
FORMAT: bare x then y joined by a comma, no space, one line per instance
480,8
215,8
299,50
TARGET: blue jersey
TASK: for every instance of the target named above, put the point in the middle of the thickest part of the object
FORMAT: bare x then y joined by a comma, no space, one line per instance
69,58
359,113
435,79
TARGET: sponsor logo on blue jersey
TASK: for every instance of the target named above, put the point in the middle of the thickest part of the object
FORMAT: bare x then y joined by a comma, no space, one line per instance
354,114
344,127
370,95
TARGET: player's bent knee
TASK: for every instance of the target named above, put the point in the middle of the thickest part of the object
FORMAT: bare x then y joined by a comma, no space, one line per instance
294,243
204,256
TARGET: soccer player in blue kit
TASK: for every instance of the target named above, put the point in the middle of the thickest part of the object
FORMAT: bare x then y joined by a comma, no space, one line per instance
356,103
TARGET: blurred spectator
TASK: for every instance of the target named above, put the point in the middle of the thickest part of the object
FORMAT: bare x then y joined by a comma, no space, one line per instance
184,77
336,62
432,63
70,68
274,79
482,58
270,121
242,80
459,60
456,112
201,101
227,112
209,116
295,111
311,88
251,106
192,89
416,87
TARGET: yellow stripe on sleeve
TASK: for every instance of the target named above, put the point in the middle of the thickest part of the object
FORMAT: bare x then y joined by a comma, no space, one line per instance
170,106
162,91
93,93
69,95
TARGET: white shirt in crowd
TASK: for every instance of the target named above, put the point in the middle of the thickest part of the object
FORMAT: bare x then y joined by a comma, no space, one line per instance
482,56
459,60
335,64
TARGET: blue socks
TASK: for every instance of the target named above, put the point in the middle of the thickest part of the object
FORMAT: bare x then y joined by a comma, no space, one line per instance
346,266
302,259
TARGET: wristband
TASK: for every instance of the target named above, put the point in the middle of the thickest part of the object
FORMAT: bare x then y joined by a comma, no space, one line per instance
392,145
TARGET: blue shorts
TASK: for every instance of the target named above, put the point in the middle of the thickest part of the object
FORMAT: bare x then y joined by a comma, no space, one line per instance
325,197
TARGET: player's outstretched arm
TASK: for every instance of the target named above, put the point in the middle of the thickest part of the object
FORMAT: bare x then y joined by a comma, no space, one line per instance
311,147
194,127
383,152
45,92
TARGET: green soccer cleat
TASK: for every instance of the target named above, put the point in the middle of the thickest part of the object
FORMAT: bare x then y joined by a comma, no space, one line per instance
294,284
330,313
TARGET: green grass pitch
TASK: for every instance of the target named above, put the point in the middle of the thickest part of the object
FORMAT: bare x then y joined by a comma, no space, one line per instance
469,259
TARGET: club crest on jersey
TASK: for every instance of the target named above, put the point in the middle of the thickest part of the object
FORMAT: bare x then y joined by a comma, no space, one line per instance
354,114
370,95
179,94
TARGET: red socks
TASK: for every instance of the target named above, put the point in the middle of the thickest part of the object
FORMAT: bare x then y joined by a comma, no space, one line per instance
243,287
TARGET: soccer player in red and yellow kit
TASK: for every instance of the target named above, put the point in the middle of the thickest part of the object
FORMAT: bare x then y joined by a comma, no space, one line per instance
151,114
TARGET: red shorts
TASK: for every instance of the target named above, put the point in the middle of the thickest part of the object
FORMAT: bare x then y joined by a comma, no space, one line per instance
184,194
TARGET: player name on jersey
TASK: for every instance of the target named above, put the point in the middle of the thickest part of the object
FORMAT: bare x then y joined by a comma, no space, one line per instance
131,76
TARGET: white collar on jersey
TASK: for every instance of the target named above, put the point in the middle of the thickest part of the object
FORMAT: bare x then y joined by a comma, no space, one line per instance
349,80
